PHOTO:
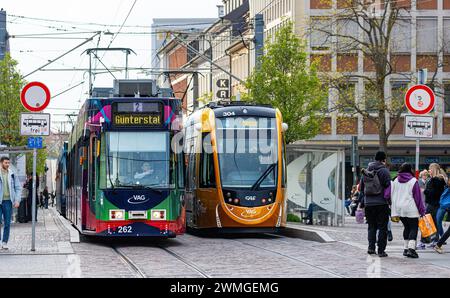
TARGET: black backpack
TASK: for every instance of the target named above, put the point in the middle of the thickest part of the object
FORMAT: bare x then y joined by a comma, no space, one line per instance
372,185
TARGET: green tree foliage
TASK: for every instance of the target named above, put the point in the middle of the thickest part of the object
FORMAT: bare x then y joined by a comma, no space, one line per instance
40,162
11,84
10,107
285,80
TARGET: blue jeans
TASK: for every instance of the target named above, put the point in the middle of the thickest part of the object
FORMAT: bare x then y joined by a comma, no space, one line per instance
5,214
439,218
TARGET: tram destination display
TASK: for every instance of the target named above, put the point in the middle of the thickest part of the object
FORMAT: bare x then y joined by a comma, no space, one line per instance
138,114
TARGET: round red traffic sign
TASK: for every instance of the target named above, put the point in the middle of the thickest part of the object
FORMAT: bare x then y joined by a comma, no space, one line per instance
35,97
420,99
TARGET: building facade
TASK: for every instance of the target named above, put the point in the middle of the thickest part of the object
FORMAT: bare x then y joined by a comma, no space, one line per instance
420,42
161,29
4,44
220,51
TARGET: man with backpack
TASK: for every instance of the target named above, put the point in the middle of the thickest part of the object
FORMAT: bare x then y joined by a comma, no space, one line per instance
374,182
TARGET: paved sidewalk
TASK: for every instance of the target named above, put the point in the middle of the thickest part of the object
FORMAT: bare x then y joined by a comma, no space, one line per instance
355,235
53,256
51,236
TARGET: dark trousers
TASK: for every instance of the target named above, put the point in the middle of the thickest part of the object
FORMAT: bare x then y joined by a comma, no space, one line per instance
444,238
411,228
377,218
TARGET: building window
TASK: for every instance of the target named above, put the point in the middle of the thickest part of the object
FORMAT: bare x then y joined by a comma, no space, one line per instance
347,29
427,35
319,40
398,91
446,41
370,98
347,97
401,36
447,98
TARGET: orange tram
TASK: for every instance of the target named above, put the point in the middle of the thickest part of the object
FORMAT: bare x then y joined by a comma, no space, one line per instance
236,168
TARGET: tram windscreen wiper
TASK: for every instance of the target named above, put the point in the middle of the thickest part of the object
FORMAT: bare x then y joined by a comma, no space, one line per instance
263,177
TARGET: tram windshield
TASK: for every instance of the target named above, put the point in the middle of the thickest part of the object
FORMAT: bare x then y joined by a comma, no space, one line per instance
138,159
248,155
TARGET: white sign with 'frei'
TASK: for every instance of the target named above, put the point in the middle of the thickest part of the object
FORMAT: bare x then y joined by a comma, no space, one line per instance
419,127
34,124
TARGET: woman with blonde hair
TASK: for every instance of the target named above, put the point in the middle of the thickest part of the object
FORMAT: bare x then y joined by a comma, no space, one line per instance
433,191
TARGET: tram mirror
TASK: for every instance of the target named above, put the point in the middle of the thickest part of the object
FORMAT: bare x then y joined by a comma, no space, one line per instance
198,126
285,127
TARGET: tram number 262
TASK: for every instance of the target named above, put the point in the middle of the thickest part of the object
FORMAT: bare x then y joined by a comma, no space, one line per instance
125,230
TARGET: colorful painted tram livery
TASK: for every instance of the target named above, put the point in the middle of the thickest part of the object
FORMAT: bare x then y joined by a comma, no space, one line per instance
236,171
123,179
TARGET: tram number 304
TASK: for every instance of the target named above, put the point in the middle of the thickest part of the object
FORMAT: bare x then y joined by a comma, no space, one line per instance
125,230
229,114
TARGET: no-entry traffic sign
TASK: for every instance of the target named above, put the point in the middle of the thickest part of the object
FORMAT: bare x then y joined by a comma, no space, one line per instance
420,99
35,97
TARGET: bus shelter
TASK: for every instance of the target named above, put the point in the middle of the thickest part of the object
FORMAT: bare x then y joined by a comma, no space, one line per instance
316,182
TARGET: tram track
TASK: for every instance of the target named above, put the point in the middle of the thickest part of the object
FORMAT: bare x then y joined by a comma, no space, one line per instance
335,254
334,274
133,267
186,262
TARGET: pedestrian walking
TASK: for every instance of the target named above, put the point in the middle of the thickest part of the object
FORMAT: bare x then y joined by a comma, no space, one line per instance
46,196
444,208
407,204
423,179
433,192
374,182
10,192
30,197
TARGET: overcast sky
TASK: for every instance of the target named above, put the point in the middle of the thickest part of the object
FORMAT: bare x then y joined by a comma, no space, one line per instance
32,53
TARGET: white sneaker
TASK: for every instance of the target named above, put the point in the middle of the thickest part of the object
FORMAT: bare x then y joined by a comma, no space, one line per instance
5,246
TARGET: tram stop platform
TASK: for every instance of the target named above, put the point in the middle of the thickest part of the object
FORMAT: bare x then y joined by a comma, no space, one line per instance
52,246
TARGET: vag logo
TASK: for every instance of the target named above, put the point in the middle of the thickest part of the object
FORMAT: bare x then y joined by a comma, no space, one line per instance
250,198
138,199
249,212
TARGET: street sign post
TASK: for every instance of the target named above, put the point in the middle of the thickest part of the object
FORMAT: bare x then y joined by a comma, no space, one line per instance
35,97
419,100
34,124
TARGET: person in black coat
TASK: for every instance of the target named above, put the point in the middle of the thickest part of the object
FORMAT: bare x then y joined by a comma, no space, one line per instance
30,196
433,191
376,205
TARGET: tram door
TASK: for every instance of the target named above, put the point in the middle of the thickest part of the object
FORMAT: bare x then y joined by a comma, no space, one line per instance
92,174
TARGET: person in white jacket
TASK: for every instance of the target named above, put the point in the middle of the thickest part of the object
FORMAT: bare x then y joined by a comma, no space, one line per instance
10,191
407,204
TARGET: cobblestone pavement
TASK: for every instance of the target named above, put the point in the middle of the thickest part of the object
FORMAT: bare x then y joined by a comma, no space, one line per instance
260,256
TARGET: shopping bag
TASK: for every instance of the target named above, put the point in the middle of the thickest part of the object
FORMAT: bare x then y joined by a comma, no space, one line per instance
427,226
359,214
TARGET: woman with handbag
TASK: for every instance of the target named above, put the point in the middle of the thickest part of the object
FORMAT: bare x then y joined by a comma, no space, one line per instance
407,205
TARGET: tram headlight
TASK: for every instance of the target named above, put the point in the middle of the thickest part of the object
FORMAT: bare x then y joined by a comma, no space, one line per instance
158,214
236,201
117,214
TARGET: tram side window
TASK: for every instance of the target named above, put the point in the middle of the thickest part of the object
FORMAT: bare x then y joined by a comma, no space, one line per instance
181,170
207,177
